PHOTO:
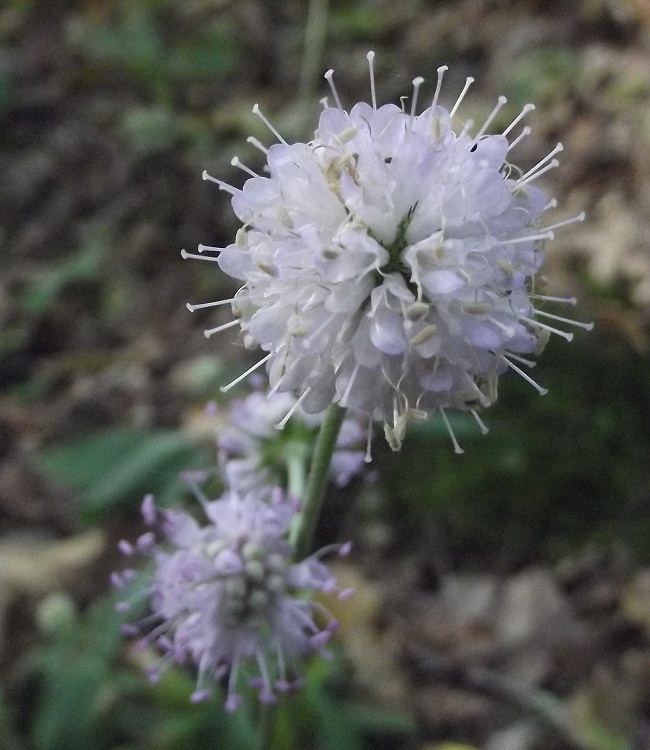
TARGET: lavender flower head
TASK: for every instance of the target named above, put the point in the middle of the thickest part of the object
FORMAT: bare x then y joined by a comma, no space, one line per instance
253,453
388,264
228,593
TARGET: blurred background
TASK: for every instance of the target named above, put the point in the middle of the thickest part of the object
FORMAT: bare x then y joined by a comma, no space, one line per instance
503,595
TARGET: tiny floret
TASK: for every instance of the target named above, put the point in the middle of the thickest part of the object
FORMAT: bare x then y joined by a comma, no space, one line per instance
228,592
388,265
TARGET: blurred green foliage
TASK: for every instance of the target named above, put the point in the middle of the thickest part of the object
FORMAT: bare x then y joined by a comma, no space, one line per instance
115,468
555,472
356,20
132,39
87,697
543,75
46,286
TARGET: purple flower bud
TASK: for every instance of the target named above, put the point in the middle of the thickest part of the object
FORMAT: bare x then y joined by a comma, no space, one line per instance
126,548
148,510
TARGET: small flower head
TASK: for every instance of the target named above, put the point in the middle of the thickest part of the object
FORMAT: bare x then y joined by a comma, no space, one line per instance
228,592
388,264
254,452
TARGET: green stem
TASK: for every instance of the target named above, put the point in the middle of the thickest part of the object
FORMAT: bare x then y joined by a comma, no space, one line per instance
317,482
266,727
315,31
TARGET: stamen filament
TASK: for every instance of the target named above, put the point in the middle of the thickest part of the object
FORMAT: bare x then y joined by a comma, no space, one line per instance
226,388
329,77
185,255
525,131
533,322
258,144
526,109
559,147
222,185
281,424
257,111
468,82
546,298
232,701
523,360
373,96
525,376
508,330
203,248
441,73
530,238
580,324
348,388
572,220
552,165
417,82
203,305
211,331
457,448
481,424
275,388
368,457
501,101
236,162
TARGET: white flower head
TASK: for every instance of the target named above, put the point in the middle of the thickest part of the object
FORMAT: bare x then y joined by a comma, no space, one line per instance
388,264
228,592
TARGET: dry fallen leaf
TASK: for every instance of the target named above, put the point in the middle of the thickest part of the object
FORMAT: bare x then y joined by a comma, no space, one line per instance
369,649
33,567
635,600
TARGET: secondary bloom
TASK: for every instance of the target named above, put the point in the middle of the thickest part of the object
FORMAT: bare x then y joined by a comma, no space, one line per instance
253,453
228,592
388,264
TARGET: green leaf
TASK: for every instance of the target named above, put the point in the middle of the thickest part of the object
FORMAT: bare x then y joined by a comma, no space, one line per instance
133,39
117,467
73,673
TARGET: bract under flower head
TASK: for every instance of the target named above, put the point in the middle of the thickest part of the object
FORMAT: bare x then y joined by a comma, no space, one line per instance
228,592
387,265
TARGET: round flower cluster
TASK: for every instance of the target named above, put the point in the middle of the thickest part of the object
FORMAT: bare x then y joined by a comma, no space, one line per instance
387,265
229,592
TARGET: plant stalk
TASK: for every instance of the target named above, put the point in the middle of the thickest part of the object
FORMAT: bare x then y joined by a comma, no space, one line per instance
317,482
